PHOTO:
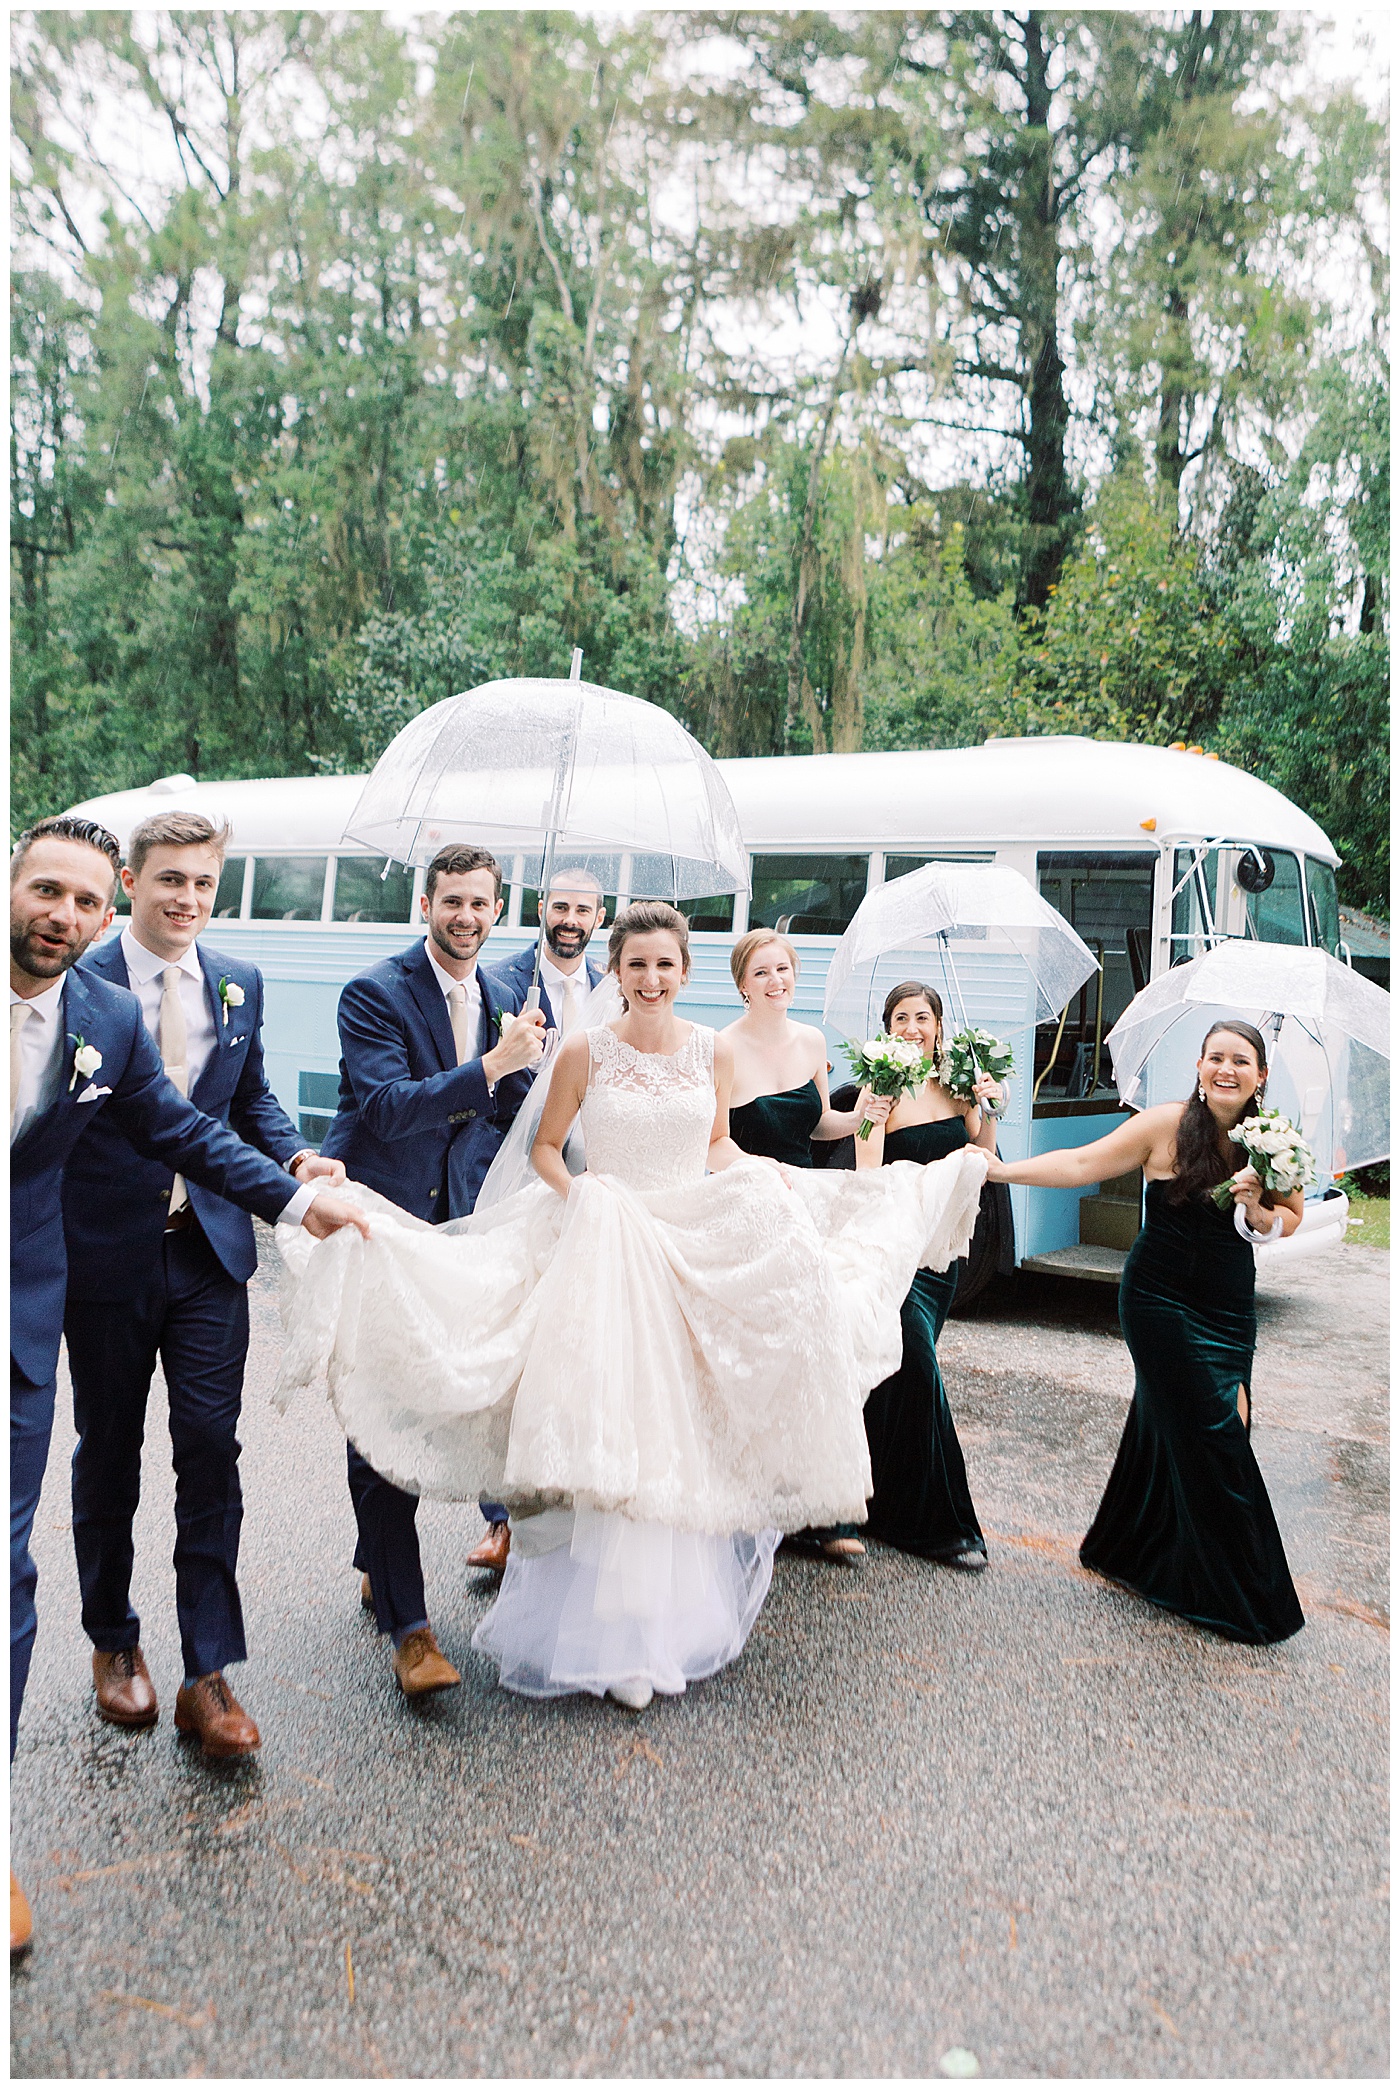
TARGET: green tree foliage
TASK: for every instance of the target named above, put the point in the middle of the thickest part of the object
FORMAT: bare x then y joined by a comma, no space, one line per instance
880,379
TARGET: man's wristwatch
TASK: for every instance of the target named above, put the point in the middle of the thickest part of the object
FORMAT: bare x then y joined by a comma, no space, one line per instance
307,1153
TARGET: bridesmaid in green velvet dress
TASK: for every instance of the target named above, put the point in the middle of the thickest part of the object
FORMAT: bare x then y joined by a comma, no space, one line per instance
1185,1519
781,1102
921,1501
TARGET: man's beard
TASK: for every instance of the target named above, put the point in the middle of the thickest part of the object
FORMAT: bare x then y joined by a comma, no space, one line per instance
449,949
45,964
578,940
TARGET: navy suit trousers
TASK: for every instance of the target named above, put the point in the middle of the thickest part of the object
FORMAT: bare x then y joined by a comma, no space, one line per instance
191,1315
387,1548
31,1426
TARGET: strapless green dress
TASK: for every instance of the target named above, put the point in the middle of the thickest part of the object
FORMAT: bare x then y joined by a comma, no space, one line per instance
921,1502
1185,1519
779,1126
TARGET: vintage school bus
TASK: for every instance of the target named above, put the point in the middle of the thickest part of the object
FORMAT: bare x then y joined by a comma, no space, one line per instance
1139,847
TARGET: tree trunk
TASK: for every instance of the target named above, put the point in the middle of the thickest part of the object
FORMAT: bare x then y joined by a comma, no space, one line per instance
1051,501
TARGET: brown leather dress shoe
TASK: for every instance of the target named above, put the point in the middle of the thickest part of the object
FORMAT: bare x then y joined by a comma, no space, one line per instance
421,1666
125,1693
21,1921
211,1710
494,1549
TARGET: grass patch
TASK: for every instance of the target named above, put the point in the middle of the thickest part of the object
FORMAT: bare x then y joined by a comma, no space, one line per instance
1374,1214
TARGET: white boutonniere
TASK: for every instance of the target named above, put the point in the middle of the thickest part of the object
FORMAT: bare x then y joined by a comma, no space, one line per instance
86,1060
504,1019
231,994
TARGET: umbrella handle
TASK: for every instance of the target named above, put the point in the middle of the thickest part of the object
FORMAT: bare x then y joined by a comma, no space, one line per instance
532,1000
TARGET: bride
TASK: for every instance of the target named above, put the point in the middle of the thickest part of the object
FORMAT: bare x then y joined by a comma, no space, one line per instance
658,1364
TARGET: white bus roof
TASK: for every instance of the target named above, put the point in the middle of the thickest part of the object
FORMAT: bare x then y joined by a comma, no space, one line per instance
1056,790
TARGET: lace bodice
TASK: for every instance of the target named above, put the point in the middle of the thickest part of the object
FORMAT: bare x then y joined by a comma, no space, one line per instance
646,1118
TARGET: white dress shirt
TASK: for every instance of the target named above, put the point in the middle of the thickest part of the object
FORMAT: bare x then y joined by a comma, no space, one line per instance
473,987
567,991
144,971
39,1055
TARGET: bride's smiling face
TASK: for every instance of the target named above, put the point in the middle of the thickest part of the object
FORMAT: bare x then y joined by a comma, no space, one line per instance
651,970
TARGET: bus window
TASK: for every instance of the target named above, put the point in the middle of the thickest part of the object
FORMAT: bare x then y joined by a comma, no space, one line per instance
807,895
228,900
1194,874
363,893
1107,900
288,888
317,1098
715,914
1322,904
1276,916
900,866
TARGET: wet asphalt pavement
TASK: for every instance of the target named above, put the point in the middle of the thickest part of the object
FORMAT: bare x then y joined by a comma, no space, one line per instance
1020,1814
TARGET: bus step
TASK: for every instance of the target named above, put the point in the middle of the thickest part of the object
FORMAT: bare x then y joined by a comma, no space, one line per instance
1099,1265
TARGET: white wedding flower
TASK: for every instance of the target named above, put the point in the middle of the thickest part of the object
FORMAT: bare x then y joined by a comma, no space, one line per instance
233,994
504,1020
86,1060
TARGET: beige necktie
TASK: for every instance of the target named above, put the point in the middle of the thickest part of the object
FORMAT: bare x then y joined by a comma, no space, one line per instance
20,1012
174,1050
457,1010
568,1014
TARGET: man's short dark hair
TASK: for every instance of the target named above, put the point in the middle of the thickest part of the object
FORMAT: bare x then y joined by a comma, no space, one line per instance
66,826
457,857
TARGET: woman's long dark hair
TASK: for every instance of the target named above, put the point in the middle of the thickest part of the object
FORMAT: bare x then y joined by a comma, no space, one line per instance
1200,1164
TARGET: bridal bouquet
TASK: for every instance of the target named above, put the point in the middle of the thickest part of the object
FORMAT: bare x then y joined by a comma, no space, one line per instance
888,1066
1278,1153
967,1056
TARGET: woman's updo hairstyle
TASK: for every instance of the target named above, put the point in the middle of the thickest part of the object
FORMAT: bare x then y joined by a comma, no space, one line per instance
643,918
742,955
1200,1164
913,990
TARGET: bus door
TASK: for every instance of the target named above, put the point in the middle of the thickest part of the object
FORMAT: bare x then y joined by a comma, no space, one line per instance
1107,897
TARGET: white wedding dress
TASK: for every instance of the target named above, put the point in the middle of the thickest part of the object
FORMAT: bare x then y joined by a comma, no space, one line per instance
639,1371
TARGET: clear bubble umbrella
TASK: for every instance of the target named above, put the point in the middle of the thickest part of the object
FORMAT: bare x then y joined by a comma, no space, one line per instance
1327,1030
996,951
538,768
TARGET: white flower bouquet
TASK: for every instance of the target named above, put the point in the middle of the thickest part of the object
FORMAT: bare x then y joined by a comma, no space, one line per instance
888,1066
967,1056
1278,1153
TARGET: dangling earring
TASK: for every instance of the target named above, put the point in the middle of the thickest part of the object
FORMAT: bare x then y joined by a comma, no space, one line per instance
743,997
1200,1092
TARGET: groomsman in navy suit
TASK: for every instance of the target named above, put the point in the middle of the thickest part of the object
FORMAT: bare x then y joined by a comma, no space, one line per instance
80,1050
158,1267
430,1080
569,914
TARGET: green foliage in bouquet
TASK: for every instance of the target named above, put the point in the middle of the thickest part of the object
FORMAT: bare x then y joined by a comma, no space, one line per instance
970,1054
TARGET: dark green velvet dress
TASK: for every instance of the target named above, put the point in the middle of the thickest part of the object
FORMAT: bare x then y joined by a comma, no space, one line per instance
1185,1519
921,1501
779,1126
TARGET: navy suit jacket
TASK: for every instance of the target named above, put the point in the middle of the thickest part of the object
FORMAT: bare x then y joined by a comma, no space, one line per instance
130,1087
516,974
115,1201
412,1123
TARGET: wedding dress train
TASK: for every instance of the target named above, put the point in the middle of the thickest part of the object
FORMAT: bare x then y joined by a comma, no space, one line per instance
639,1371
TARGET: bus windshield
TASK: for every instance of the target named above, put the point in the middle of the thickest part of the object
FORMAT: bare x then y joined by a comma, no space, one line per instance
1276,916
